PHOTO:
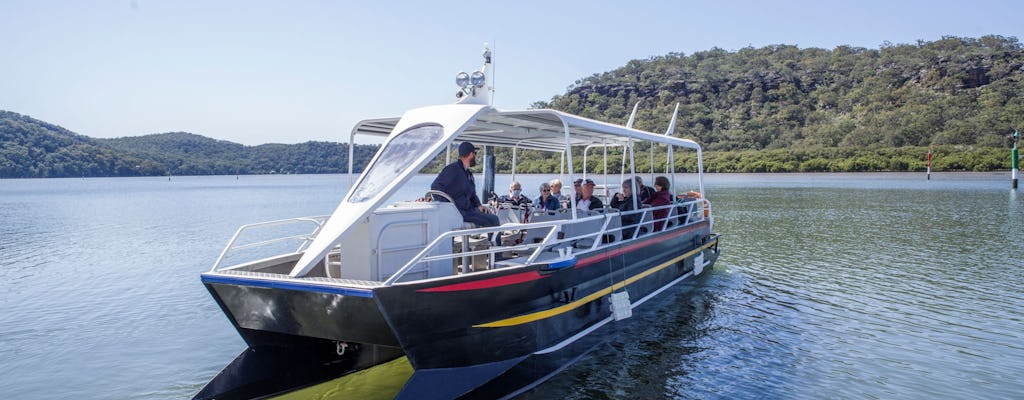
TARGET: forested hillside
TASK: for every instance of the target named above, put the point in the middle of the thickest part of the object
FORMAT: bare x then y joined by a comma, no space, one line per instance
962,94
30,148
189,154
770,109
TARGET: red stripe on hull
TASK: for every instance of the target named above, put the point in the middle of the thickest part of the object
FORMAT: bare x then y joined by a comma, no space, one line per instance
623,250
488,283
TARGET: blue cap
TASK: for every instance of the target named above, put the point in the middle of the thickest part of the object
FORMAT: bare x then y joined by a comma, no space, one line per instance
465,148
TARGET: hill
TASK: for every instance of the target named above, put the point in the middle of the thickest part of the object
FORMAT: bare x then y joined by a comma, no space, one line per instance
189,154
771,109
30,148
812,104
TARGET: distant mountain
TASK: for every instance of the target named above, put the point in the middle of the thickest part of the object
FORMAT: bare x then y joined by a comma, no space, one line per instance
30,148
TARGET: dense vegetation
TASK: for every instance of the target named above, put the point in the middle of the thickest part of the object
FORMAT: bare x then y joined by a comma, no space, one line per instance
189,154
771,109
845,109
30,148
34,149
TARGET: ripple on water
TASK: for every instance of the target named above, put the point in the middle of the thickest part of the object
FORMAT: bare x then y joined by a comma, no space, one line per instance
829,285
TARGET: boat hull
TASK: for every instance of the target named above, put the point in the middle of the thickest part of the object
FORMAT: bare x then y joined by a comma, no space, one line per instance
522,325
483,335
515,312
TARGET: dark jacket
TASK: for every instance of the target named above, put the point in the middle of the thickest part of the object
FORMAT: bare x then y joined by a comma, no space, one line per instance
457,181
551,204
595,202
518,202
625,205
645,193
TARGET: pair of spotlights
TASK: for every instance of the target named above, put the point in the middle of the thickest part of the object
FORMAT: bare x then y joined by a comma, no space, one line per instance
476,79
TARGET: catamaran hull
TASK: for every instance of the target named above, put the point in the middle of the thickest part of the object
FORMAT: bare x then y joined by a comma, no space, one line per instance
514,350
483,335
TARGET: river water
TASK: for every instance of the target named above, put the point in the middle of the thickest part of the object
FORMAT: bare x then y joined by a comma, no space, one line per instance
829,285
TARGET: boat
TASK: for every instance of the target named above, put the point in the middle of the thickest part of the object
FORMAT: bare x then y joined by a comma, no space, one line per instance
380,282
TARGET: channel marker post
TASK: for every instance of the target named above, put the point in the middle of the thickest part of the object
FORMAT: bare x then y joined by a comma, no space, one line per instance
1014,158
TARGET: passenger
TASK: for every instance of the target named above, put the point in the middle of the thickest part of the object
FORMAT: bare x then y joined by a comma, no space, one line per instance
556,190
515,195
624,202
661,197
645,191
457,181
586,199
547,199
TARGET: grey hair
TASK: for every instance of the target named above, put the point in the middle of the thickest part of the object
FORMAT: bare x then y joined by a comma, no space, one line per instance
544,185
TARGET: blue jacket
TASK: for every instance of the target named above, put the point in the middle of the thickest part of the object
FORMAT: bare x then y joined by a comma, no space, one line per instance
457,181
551,204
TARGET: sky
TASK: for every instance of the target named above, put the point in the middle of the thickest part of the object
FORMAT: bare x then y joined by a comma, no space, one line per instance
256,72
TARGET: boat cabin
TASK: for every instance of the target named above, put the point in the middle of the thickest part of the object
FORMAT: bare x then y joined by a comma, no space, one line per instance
371,240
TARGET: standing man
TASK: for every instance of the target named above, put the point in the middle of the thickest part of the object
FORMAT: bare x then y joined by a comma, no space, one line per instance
457,181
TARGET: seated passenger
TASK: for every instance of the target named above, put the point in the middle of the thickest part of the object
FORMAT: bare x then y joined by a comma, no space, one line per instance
645,191
556,190
586,200
661,197
456,180
547,200
515,195
624,202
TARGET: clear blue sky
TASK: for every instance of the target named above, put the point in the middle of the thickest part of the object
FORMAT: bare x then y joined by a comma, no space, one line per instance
290,71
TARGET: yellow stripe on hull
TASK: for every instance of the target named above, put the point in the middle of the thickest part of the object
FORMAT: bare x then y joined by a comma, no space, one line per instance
536,316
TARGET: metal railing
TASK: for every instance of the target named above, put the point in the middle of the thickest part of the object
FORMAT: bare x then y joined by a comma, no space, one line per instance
304,238
694,214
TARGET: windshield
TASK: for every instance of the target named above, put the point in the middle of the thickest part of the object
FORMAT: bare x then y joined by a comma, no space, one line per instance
393,159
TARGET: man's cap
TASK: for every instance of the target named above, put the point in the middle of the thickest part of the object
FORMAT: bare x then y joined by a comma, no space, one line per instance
588,182
577,182
465,148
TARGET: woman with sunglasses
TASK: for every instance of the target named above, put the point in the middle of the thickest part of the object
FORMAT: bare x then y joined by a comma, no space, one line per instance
546,201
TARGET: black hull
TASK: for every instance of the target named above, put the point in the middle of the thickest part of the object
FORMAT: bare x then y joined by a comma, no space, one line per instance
475,336
267,371
515,312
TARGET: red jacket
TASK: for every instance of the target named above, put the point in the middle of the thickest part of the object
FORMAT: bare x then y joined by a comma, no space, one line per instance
661,198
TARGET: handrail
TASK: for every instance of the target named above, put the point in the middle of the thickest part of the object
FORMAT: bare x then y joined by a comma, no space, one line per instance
474,231
549,240
318,221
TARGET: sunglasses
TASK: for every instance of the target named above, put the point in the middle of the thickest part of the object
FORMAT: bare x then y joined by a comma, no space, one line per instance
547,190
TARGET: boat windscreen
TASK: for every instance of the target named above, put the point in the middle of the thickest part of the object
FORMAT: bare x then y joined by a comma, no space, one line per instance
394,158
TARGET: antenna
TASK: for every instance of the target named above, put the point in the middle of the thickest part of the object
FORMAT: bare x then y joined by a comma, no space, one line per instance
632,117
494,45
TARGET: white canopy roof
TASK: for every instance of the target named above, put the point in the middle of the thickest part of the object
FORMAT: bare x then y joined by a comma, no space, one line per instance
535,129
480,124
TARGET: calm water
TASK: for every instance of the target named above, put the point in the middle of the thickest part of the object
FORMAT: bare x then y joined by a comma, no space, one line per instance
830,285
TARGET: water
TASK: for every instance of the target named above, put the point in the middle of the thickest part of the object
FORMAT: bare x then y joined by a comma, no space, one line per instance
830,285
